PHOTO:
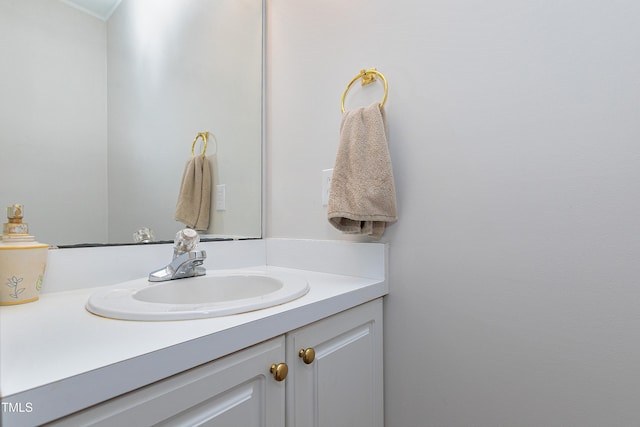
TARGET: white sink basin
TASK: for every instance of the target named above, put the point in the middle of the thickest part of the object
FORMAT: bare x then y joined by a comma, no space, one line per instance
218,293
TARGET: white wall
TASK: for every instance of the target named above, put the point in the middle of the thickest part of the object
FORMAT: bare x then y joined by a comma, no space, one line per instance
513,128
53,119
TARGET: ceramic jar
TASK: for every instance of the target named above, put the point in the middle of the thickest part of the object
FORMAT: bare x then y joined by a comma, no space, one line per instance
22,261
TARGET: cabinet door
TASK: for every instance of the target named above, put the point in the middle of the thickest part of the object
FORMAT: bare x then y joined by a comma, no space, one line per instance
236,390
343,385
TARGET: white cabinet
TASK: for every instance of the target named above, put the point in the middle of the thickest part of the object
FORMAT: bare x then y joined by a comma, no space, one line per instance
342,385
236,390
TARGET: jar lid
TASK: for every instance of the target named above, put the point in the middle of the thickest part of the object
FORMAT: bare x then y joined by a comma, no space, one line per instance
15,233
14,224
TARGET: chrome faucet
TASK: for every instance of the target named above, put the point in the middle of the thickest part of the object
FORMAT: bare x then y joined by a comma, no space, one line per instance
187,262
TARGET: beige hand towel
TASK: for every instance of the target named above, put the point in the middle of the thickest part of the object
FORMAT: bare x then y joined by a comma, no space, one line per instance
362,198
194,201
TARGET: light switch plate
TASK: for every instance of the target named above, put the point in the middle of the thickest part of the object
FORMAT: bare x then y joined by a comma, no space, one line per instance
326,185
221,197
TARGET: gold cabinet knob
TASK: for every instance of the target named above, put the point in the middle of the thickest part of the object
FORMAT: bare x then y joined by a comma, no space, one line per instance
279,371
307,355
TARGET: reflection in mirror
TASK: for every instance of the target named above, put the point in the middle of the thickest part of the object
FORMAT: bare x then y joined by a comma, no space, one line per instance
98,116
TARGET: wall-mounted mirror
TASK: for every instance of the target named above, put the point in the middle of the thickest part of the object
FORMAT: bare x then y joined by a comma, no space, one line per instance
99,111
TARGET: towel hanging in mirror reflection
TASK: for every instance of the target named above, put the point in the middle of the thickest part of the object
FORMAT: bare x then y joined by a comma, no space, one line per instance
193,208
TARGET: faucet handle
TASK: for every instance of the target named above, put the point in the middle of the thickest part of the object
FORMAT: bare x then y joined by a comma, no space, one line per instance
186,240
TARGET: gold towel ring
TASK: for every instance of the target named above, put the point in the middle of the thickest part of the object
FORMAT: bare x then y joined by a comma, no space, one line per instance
204,136
367,76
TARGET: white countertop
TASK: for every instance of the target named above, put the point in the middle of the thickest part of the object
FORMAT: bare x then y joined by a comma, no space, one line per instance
60,358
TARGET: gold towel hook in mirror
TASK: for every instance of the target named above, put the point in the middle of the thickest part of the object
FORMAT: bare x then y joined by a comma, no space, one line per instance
204,136
367,76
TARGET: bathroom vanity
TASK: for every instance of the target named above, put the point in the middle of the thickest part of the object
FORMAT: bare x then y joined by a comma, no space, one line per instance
316,360
340,385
